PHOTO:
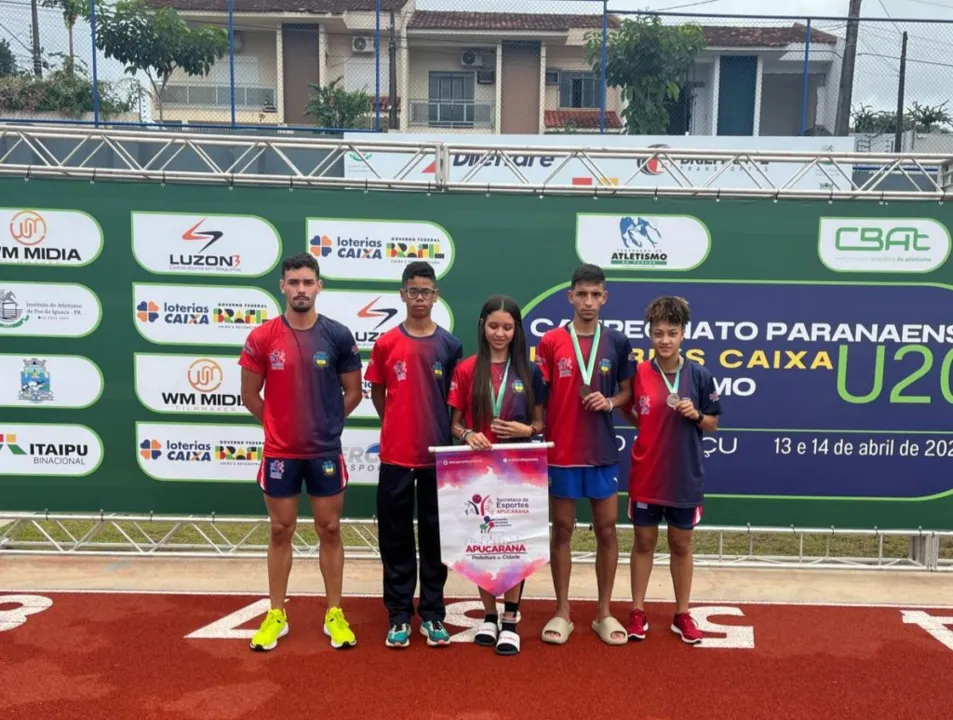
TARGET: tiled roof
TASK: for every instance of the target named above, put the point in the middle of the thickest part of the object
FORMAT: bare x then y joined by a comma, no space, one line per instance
290,6
581,119
755,36
551,22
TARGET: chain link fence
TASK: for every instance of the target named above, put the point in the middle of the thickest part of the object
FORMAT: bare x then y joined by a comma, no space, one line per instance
548,66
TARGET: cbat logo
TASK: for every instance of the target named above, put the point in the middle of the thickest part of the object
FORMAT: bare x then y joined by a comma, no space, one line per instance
8,443
321,360
35,385
370,312
883,245
205,375
28,228
321,246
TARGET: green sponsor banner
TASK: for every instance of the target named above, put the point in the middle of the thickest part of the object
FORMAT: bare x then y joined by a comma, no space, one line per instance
124,307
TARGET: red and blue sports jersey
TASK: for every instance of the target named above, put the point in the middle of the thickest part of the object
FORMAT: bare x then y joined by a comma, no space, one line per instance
516,405
304,405
667,454
416,371
582,438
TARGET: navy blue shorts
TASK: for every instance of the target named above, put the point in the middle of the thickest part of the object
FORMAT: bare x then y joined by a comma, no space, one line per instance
647,515
574,483
323,477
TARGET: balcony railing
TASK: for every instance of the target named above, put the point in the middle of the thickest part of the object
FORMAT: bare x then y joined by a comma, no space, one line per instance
247,97
452,114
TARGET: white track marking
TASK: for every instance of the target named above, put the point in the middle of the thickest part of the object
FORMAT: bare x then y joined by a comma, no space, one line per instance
227,627
738,637
938,627
258,592
28,605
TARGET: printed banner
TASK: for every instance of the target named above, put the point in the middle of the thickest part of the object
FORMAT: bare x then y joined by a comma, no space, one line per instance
829,389
494,514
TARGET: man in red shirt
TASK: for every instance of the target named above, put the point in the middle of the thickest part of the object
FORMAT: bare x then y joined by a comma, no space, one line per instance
410,370
304,361
588,371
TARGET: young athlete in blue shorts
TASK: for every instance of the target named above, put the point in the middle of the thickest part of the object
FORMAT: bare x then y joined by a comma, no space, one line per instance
587,368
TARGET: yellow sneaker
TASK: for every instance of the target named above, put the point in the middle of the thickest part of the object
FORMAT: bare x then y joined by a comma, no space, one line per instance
337,628
273,627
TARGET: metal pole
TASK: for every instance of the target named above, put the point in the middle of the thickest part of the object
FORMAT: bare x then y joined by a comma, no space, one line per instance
377,65
807,77
231,55
898,135
92,25
602,72
392,60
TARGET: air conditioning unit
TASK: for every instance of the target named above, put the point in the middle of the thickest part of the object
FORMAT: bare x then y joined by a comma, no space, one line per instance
362,44
471,59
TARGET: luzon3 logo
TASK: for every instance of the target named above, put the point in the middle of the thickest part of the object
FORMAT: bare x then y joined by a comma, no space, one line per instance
202,239
883,245
205,377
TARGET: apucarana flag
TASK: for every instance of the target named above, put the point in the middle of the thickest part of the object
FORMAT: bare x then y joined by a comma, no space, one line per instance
494,512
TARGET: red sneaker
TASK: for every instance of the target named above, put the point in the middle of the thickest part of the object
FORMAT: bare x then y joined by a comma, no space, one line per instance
684,625
638,625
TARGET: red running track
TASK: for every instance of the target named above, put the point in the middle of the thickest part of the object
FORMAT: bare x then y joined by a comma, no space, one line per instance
158,656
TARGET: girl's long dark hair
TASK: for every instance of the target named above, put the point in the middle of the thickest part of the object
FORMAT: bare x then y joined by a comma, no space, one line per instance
482,399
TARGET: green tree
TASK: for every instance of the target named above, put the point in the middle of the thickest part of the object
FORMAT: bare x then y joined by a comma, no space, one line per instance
72,11
928,116
8,61
157,42
650,62
334,107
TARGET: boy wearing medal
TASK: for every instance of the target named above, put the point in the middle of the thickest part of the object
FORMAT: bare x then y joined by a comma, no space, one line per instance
673,402
588,371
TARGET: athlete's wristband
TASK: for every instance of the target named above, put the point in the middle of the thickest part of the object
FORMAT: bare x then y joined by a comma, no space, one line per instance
463,438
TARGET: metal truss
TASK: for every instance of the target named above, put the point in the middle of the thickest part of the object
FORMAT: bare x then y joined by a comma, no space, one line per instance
29,151
191,536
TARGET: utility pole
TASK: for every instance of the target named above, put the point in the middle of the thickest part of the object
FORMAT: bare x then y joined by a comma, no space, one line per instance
392,56
37,59
898,137
842,124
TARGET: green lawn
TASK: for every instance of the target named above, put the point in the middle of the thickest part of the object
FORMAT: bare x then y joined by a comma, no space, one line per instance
733,544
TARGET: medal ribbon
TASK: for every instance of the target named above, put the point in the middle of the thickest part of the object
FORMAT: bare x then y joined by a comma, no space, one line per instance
586,368
498,397
672,388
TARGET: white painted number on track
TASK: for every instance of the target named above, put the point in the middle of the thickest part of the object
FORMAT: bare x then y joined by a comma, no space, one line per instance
227,627
457,617
28,605
938,627
737,637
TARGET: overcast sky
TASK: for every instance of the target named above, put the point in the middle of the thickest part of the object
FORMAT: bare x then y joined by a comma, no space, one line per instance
930,46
